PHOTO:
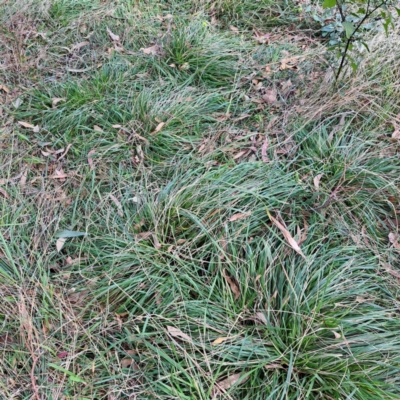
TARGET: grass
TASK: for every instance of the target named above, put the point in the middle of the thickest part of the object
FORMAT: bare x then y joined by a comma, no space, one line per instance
148,190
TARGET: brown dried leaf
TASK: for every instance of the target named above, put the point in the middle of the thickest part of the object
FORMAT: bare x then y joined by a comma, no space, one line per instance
26,124
264,149
337,335
4,193
159,127
317,179
90,159
261,317
177,333
239,216
97,128
80,45
219,340
391,271
234,287
394,240
234,29
65,152
221,386
113,36
24,178
144,235
155,50
118,204
157,244
78,297
5,88
60,243
127,362
57,100
396,134
270,96
287,235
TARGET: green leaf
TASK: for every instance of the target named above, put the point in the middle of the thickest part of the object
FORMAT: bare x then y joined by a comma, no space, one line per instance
69,234
398,11
366,46
349,28
71,376
329,3
75,378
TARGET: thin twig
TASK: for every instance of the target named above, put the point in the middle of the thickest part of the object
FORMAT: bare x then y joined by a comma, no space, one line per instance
366,16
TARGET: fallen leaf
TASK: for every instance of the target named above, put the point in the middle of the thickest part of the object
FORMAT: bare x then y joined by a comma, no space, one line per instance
157,244
60,243
261,317
262,38
317,179
177,333
393,239
219,340
287,235
234,287
360,299
57,100
239,216
337,335
118,204
71,261
59,174
17,102
62,354
80,45
24,178
129,363
26,124
221,386
396,134
302,234
36,129
116,126
78,297
159,127
270,96
288,63
90,159
233,29
286,86
113,36
97,128
5,88
392,272
241,154
65,152
155,50
264,149
144,235
4,193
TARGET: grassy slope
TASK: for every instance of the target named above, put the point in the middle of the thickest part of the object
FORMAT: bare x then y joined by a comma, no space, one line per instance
182,281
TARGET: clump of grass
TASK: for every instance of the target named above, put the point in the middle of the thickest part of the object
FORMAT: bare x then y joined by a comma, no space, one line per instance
198,54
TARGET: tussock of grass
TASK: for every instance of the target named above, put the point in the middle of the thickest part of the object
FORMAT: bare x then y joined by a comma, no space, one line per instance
180,279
